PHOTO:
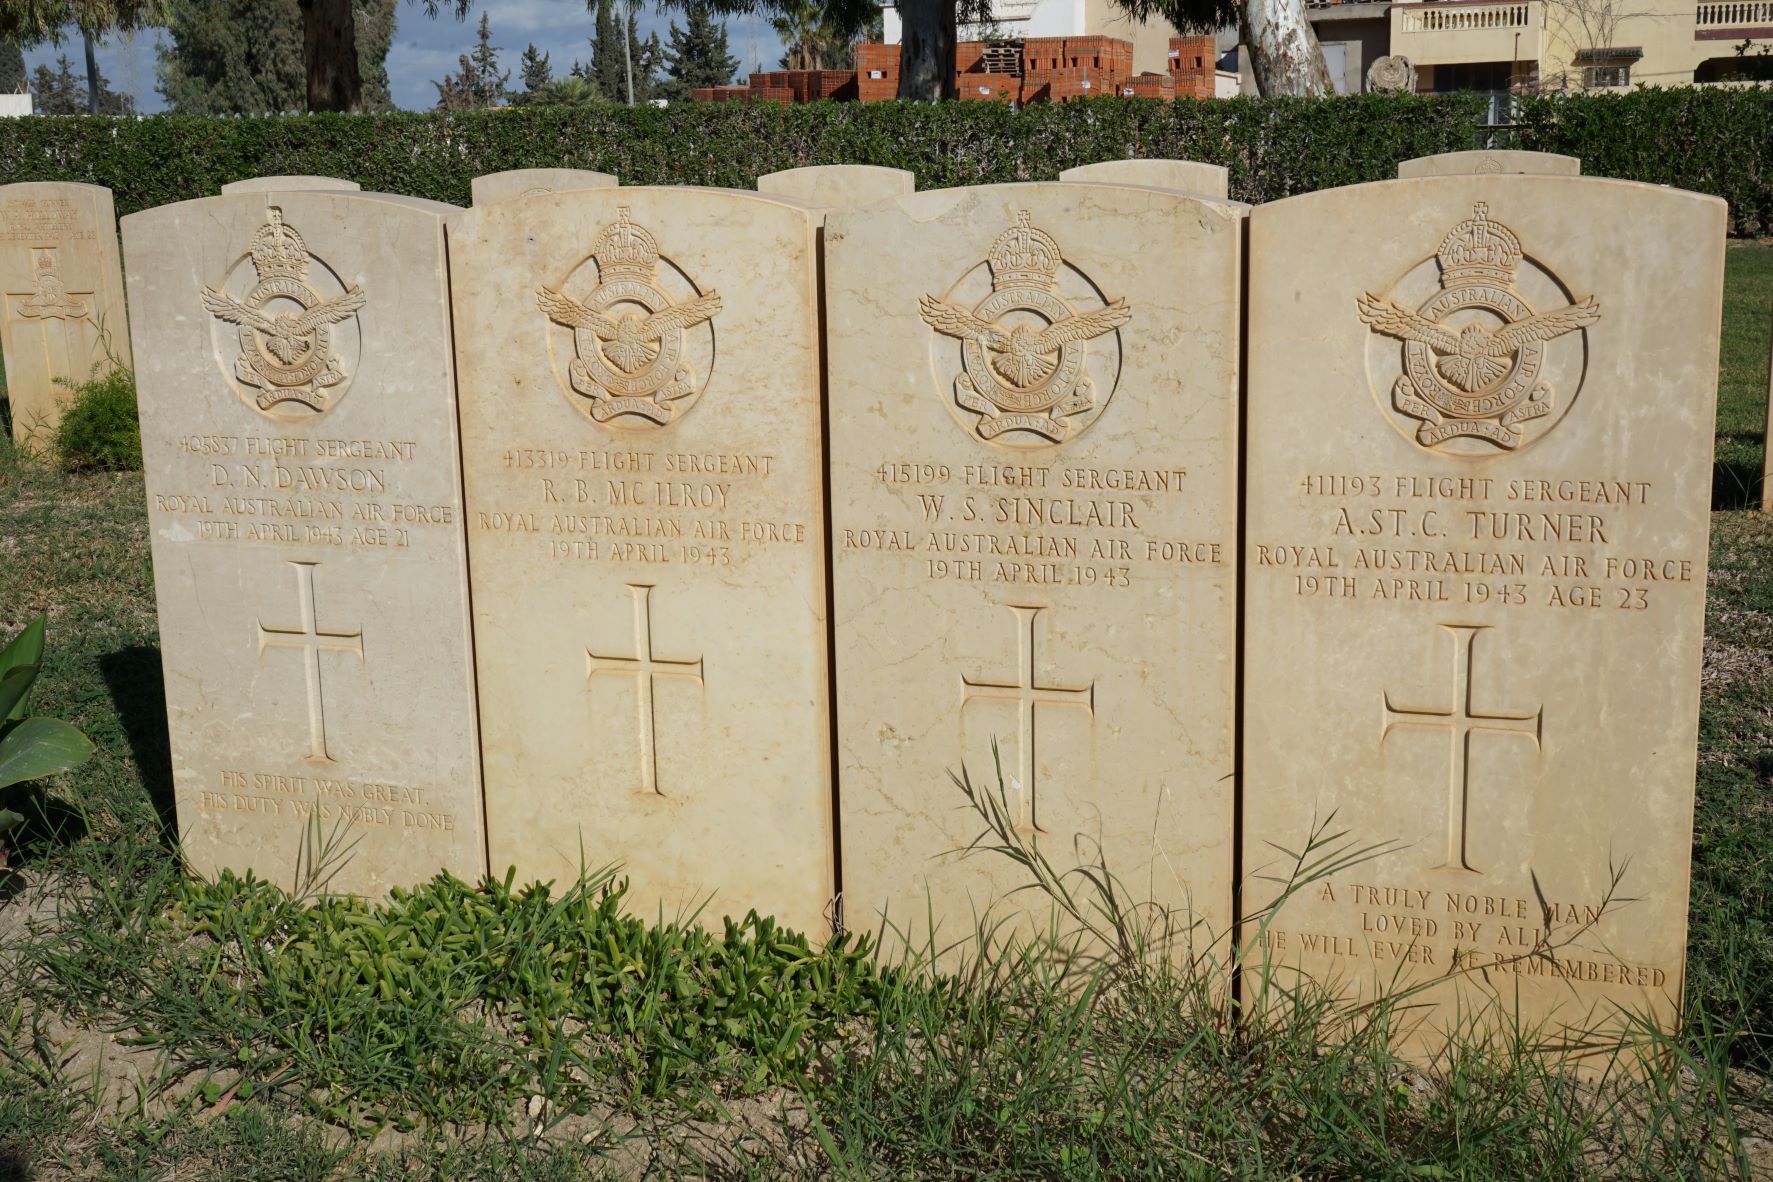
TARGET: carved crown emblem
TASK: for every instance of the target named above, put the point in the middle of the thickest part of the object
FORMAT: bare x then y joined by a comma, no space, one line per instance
285,326
1023,256
625,250
1024,361
1474,352
628,334
1478,249
277,250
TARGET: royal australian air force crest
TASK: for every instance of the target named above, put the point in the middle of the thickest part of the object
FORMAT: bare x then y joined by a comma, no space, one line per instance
287,328
1025,348
1475,352
633,356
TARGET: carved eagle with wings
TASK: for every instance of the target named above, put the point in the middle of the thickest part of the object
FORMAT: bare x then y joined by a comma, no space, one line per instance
287,335
1473,356
631,340
1022,355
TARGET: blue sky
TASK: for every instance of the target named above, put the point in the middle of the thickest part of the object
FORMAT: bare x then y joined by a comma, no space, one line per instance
425,49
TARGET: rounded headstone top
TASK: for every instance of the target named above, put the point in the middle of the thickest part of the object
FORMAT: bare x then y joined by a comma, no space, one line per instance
289,184
839,184
533,182
1188,176
1498,162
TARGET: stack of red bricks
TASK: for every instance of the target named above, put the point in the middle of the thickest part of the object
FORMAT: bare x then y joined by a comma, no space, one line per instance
1059,69
1053,69
877,72
1193,66
720,94
1149,86
975,83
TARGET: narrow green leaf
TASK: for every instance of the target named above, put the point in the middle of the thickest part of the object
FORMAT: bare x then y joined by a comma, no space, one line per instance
41,747
15,683
25,649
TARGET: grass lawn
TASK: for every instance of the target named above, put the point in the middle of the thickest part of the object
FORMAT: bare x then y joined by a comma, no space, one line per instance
153,1026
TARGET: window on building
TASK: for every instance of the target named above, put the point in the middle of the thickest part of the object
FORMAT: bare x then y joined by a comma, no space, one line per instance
1597,76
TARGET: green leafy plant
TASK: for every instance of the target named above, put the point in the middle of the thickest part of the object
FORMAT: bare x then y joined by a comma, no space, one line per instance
30,748
99,430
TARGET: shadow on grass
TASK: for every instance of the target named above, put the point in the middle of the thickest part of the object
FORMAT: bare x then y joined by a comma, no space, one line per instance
1735,485
49,820
138,692
14,1167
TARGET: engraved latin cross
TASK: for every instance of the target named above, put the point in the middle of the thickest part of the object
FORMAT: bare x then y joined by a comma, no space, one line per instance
1462,721
1027,693
644,667
312,642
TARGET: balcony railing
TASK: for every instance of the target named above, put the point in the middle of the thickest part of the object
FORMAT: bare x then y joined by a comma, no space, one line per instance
1459,18
1735,14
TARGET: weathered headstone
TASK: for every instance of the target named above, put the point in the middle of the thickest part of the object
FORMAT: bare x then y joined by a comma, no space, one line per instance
532,182
641,437
1488,162
1033,473
1479,437
838,185
304,498
290,184
1189,176
63,288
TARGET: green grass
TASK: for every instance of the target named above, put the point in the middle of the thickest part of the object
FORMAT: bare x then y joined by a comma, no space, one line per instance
1742,372
153,1026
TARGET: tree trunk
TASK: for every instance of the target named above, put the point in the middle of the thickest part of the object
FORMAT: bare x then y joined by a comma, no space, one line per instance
329,50
627,46
926,50
92,77
1284,54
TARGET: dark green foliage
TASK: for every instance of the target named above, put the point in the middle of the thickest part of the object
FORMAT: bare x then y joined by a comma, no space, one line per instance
609,69
99,428
12,68
61,91
697,55
1709,140
1714,141
535,72
1274,148
244,57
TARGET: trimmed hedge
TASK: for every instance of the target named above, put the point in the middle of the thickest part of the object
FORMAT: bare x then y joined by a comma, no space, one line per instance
1717,141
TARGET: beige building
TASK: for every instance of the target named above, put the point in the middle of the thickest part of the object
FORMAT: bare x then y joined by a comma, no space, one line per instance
1517,46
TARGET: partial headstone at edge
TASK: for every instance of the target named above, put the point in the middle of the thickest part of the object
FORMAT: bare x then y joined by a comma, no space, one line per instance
305,510
1488,162
290,184
1186,176
1475,588
838,185
62,286
533,182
